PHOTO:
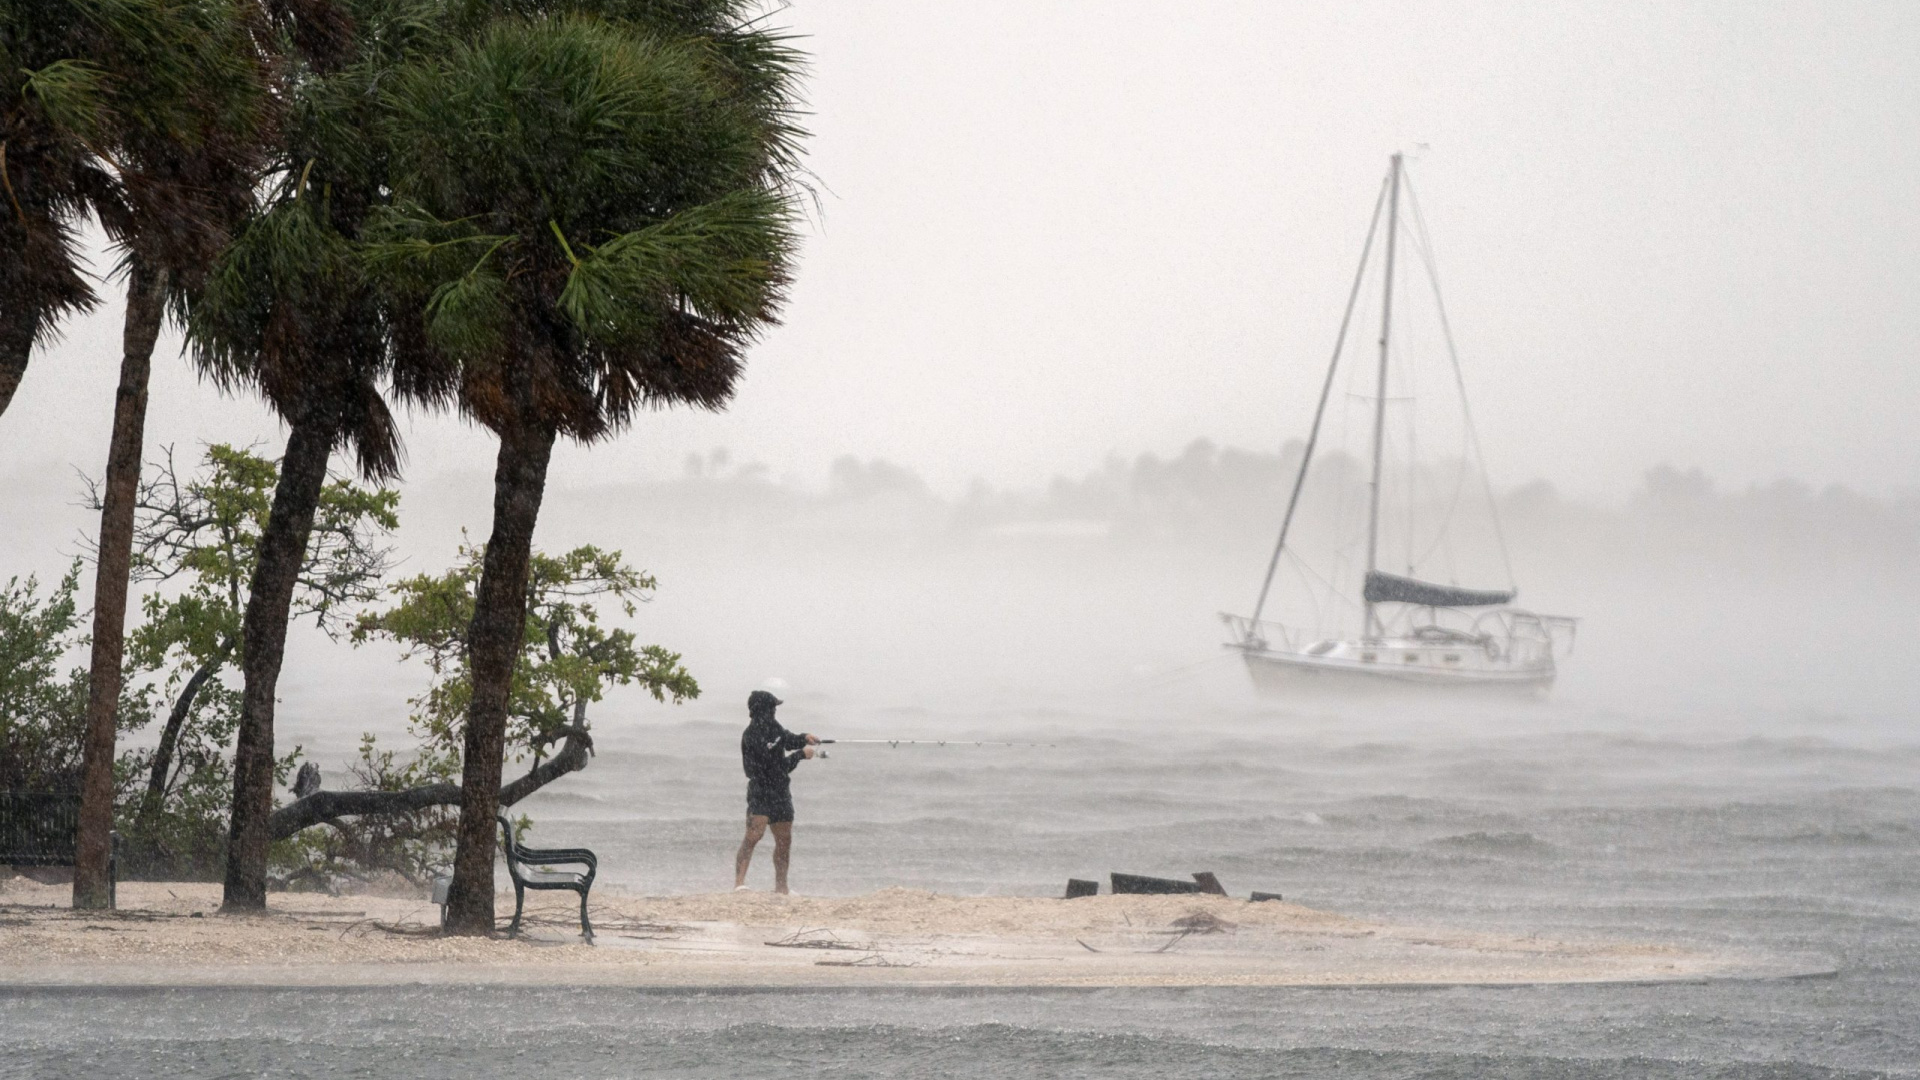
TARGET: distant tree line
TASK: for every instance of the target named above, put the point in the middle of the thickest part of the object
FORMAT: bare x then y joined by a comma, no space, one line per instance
1211,490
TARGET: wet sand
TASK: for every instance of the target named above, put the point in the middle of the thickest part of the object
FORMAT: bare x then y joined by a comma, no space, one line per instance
170,934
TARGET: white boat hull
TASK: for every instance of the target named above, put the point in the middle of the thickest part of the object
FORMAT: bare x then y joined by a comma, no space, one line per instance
1279,673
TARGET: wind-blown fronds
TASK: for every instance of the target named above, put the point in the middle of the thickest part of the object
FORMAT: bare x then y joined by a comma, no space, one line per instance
289,308
597,206
146,114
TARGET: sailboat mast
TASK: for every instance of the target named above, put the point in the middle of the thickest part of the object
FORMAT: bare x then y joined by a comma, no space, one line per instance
1319,413
1380,401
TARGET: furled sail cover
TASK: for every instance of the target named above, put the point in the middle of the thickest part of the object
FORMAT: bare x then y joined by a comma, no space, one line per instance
1394,589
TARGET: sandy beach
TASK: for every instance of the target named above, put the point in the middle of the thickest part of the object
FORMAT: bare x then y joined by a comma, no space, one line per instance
170,934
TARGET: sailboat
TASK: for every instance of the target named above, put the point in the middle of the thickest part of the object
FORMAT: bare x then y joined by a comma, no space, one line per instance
1413,633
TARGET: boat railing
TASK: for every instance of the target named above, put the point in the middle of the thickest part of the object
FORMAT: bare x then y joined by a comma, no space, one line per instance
1511,634
1257,633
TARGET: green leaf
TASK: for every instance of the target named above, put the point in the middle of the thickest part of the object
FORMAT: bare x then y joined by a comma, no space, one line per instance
73,94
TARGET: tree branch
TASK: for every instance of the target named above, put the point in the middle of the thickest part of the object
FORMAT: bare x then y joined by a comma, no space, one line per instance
323,807
571,758
176,720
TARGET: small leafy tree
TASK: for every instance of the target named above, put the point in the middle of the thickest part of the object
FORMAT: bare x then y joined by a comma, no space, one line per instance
402,818
42,709
567,658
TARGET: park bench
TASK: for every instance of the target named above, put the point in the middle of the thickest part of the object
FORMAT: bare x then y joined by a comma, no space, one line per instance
40,828
530,868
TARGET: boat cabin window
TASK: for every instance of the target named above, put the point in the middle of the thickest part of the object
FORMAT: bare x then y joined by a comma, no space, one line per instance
1412,658
1366,658
1452,658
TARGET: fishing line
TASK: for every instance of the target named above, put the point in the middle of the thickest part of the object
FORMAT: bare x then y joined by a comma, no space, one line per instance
895,744
931,742
1154,681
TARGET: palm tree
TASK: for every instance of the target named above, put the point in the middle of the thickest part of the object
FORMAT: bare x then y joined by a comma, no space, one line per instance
88,92
289,311
593,214
145,112
56,103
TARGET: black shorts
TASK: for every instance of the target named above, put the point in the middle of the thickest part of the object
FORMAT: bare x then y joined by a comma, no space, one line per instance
775,806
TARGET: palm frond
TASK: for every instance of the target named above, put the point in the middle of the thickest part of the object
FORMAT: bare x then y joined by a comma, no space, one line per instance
723,260
74,96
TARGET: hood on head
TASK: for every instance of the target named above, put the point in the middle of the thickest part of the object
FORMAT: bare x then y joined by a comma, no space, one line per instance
760,705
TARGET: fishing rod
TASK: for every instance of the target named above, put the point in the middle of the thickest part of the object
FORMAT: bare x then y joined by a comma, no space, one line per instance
897,743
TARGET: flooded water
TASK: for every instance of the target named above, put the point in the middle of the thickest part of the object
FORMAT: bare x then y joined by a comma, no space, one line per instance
1802,841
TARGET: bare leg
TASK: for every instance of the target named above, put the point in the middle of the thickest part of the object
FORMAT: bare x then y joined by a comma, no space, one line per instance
782,848
756,828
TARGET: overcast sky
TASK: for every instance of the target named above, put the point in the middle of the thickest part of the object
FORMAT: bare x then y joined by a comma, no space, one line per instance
1050,231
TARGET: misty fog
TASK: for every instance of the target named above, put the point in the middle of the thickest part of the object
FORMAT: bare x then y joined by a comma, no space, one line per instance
1050,250
1705,610
1065,281
889,609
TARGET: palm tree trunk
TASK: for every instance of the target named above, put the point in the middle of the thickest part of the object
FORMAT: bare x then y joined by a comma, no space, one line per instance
493,645
263,644
93,846
16,347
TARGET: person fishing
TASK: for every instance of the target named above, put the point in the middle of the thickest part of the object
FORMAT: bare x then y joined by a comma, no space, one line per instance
769,753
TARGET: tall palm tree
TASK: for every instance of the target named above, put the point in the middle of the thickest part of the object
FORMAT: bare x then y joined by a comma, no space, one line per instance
289,311
150,120
593,214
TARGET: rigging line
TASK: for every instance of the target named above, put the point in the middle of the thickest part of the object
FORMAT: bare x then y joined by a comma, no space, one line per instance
1320,410
1446,519
1313,596
1350,507
1307,570
1409,376
1179,676
1460,380
1460,476
1157,679
1154,678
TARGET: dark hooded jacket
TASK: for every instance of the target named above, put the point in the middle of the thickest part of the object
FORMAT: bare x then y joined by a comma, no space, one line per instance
768,752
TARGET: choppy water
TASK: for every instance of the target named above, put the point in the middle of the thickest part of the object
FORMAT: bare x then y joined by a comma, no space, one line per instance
1804,841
